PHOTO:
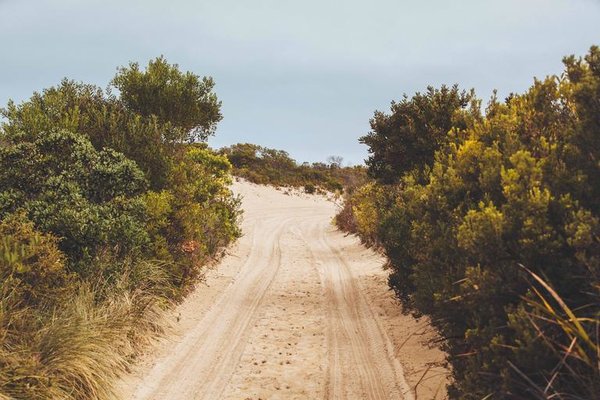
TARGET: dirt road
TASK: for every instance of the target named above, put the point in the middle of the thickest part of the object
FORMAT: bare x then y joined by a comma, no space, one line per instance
297,310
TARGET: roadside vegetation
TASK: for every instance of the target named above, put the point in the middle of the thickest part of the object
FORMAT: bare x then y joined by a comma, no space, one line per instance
110,205
267,166
491,223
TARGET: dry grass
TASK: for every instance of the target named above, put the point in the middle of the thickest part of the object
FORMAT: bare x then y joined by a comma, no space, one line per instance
577,345
78,349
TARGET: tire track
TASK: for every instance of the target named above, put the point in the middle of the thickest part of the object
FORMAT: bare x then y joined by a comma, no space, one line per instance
206,358
354,337
303,329
377,337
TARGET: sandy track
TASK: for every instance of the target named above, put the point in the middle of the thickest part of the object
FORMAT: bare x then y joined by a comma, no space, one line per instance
287,315
354,336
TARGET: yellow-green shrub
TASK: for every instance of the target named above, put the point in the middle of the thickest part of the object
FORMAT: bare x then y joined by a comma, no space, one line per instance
31,265
367,207
474,198
61,337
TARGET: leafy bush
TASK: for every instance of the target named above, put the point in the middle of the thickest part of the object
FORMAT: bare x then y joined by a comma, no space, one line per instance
484,195
275,167
152,137
107,215
182,100
32,266
104,120
310,188
60,338
88,198
204,212
408,138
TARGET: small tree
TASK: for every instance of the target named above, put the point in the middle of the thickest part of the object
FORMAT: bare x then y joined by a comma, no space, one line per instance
407,138
182,99
335,161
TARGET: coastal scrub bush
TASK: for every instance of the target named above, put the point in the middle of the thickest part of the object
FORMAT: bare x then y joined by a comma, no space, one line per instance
88,198
266,166
107,215
490,222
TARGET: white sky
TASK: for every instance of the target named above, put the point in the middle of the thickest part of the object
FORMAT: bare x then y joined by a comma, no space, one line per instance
303,76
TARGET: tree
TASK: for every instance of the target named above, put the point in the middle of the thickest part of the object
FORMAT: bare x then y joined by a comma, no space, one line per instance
584,78
106,215
184,100
465,202
85,109
407,138
335,161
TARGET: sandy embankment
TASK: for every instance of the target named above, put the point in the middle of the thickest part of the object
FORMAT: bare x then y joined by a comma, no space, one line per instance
296,310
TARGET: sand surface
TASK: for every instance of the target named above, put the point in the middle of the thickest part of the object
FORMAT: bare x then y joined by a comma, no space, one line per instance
295,310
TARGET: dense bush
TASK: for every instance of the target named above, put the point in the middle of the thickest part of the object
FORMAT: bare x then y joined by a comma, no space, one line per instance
491,224
407,138
202,210
182,100
104,120
88,198
107,215
61,337
275,167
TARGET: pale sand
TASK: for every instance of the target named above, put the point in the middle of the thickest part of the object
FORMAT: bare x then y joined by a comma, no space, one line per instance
296,310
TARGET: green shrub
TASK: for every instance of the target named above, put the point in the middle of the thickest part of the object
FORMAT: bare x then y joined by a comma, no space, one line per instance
104,120
32,268
458,217
204,211
408,138
183,100
59,338
107,216
89,199
266,166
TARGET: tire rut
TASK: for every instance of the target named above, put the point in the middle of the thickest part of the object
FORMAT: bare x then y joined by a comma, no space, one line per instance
354,336
219,338
289,321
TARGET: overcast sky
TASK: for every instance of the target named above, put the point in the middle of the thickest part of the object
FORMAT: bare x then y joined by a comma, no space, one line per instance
305,75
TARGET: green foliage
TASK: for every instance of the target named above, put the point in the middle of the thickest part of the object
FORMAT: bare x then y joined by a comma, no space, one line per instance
275,167
310,188
202,209
159,209
408,138
32,268
183,100
462,202
367,207
88,198
60,338
106,217
104,120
